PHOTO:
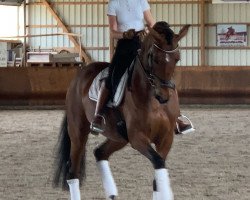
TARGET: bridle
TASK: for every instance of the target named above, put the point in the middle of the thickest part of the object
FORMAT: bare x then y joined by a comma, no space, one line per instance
153,79
171,51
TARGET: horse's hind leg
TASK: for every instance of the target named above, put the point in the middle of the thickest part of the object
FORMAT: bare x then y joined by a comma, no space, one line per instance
78,135
162,181
102,154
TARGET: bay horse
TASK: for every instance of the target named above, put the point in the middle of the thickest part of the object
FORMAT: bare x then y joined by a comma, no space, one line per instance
149,111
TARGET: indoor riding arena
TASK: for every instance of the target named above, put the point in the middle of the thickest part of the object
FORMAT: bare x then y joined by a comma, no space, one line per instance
45,43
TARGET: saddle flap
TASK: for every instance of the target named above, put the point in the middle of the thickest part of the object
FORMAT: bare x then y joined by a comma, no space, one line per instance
96,84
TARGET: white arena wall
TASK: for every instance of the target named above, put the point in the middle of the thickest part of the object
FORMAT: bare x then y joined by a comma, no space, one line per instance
88,19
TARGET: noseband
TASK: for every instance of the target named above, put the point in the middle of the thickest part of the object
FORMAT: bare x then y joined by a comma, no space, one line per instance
153,79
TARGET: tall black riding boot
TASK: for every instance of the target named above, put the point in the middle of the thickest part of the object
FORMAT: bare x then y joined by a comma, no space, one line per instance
98,124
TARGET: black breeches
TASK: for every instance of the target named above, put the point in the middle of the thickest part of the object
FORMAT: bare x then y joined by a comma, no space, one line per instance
126,51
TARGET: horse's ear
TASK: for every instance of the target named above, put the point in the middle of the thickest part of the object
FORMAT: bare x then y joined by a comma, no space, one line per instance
181,33
156,35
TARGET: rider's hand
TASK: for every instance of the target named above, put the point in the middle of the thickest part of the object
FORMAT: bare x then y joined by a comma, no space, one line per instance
129,34
142,35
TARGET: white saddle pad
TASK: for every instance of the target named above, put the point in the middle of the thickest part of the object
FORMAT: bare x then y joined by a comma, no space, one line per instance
96,84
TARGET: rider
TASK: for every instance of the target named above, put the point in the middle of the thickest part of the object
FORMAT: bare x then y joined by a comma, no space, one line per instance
126,23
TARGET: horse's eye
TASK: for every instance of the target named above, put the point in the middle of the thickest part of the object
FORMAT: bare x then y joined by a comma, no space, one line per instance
155,59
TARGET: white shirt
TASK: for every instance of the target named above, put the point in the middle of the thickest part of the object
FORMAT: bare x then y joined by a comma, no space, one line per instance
129,13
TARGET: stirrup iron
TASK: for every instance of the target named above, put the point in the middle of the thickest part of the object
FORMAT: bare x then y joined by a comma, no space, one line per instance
95,129
190,130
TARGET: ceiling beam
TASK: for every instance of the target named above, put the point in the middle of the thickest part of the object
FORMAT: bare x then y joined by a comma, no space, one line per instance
78,47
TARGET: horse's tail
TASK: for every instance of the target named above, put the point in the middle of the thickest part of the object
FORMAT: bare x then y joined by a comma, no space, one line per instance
62,156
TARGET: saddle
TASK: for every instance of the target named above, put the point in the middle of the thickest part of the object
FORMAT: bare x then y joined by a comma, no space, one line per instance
96,84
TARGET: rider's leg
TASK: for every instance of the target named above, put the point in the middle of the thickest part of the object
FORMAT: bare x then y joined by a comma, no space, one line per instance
126,50
96,125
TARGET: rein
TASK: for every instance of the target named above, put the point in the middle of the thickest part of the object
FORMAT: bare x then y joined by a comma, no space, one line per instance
154,80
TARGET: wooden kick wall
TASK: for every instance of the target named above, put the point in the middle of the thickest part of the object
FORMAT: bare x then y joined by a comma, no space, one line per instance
215,75
88,18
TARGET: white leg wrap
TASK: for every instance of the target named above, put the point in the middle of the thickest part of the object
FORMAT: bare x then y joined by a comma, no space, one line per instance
155,195
107,179
74,189
163,185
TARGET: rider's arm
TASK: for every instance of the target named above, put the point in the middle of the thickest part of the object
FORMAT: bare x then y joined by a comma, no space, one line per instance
148,18
115,34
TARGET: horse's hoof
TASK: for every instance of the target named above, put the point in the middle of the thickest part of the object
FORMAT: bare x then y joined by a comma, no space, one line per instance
112,197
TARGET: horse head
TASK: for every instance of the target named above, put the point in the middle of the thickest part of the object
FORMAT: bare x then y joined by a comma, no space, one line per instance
159,55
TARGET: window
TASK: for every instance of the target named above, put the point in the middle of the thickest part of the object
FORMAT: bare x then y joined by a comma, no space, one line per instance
9,22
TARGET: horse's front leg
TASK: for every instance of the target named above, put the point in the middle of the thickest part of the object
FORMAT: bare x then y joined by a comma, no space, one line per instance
161,182
162,147
102,154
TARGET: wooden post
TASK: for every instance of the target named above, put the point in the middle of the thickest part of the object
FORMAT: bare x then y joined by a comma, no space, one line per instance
65,29
23,63
202,33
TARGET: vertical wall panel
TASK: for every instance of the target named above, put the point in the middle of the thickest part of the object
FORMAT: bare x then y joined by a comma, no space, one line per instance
226,14
81,17
177,15
88,18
